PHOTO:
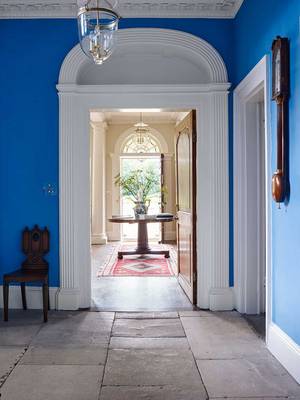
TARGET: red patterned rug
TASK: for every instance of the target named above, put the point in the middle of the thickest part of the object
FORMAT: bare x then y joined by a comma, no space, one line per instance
146,265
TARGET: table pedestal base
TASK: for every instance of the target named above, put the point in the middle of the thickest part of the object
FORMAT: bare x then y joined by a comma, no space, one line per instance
142,245
137,251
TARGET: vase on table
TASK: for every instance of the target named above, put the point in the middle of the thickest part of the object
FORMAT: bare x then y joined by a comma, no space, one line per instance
140,208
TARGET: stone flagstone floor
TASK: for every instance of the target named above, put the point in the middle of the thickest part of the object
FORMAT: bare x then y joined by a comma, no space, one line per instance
190,355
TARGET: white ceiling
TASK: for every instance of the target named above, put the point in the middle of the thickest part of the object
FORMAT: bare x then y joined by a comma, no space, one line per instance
131,117
126,8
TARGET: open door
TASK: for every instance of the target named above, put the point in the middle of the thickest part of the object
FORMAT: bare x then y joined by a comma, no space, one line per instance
162,205
186,205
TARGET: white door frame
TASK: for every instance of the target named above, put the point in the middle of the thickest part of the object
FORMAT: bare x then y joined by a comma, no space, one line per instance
247,286
210,100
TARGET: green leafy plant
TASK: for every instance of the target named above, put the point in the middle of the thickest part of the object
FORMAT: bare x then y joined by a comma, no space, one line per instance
140,184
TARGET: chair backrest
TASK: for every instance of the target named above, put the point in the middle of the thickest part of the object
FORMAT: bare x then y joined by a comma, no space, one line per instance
35,244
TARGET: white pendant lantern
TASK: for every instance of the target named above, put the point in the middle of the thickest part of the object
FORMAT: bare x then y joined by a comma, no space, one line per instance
141,130
97,26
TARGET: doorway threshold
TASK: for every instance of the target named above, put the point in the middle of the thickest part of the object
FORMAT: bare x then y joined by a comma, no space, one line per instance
139,294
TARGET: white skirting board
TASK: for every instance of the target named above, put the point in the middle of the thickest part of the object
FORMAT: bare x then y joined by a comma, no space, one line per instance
285,350
33,296
221,299
99,239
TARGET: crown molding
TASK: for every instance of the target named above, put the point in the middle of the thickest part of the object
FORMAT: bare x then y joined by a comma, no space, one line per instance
127,9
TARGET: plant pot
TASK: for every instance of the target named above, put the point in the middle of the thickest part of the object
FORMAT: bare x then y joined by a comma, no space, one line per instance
140,208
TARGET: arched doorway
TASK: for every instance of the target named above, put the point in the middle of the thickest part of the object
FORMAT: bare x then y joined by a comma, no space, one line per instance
179,71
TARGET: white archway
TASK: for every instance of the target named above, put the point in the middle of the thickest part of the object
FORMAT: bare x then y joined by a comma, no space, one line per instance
166,43
200,83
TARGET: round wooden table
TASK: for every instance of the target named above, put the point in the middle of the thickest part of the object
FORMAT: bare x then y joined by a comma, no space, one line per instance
142,240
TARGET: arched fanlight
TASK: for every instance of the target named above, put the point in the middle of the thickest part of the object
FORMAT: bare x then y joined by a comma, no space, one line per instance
97,26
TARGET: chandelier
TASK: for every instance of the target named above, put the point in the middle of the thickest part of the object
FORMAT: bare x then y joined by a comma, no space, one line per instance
141,130
97,26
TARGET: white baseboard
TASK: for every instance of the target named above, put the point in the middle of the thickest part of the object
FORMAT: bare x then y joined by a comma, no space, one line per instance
68,299
221,299
34,297
285,350
113,236
99,239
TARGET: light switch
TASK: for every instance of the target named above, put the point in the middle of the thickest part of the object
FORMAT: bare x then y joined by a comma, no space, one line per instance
50,189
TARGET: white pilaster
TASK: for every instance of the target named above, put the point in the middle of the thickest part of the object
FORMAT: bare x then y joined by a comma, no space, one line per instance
98,183
221,295
213,205
68,294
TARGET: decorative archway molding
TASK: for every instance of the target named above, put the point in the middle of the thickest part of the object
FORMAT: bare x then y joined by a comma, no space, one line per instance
133,37
209,97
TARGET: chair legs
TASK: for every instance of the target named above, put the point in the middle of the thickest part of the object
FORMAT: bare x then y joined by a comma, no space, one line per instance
23,292
45,301
5,300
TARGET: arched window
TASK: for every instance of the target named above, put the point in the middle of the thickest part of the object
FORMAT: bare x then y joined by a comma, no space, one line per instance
144,144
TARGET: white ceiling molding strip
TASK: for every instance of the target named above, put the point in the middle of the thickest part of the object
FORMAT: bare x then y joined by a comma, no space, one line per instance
126,8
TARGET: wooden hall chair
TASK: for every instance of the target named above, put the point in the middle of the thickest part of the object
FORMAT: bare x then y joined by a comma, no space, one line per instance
35,244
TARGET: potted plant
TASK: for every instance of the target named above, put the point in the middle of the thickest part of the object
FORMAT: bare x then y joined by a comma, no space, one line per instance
139,185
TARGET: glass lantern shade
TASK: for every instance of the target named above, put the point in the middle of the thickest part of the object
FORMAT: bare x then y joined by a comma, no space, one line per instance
97,27
141,130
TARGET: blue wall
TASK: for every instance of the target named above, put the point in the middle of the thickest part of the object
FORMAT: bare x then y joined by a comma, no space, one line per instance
257,24
31,54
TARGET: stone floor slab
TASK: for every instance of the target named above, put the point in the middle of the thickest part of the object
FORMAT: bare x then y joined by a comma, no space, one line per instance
147,315
36,382
70,338
149,343
76,355
207,313
80,314
219,338
131,367
76,329
18,334
9,356
199,313
247,378
138,294
19,317
151,393
148,328
83,321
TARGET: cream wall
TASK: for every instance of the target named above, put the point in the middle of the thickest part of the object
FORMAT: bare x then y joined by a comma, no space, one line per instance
113,134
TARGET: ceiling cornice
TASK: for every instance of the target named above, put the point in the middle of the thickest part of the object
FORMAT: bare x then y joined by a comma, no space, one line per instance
126,8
